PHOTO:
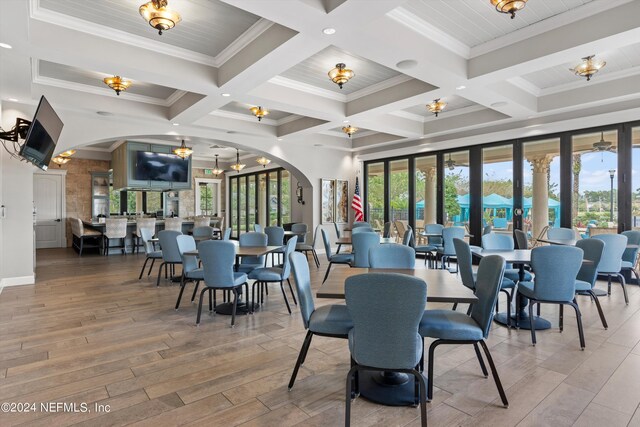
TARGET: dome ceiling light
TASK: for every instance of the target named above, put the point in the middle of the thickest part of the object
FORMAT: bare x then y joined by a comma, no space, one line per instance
340,74
159,16
588,67
509,6
259,112
349,130
117,83
436,106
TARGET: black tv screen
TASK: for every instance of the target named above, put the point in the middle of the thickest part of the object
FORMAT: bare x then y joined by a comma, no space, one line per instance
42,136
161,167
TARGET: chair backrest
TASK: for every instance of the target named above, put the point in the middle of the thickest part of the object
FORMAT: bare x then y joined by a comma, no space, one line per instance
487,229
362,243
448,234
227,234
360,224
169,245
203,231
378,225
286,265
386,231
521,239
186,244
497,241
253,239
149,223
436,229
327,244
386,309
490,273
275,235
218,222
315,235
465,263
560,233
614,247
335,225
301,228
174,224
556,270
400,228
257,228
300,269
116,228
146,235
201,221
217,262
77,228
407,239
392,256
633,238
361,230
593,249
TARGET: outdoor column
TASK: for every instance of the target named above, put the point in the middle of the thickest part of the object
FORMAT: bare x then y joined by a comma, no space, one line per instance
540,202
430,196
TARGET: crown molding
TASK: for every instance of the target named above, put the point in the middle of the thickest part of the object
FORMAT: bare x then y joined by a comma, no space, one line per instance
377,87
288,119
304,87
243,41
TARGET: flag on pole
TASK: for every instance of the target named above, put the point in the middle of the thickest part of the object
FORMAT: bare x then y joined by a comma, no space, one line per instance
356,204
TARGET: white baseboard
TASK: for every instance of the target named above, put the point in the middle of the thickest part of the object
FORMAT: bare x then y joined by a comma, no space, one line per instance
17,281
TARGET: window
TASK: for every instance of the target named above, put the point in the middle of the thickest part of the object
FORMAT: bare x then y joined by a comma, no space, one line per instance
154,201
426,189
399,190
233,193
242,190
251,208
273,198
114,201
635,178
541,185
456,188
375,193
262,200
497,187
285,197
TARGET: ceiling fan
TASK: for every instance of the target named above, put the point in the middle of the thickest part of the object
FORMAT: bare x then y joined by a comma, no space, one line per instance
603,146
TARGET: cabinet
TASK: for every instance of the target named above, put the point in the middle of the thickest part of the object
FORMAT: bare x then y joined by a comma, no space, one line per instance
100,186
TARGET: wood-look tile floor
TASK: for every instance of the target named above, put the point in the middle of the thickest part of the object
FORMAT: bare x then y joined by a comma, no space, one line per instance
90,332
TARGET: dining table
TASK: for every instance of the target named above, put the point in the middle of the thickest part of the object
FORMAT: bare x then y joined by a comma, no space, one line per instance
572,242
347,240
394,388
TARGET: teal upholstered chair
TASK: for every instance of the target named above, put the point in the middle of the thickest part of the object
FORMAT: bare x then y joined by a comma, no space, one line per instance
454,327
586,279
301,230
331,320
522,242
146,234
170,253
265,275
250,263
275,238
504,242
630,255
190,270
362,229
203,232
556,270
447,251
333,259
362,244
392,255
433,243
359,224
407,238
310,247
227,234
218,257
560,233
611,261
385,335
257,228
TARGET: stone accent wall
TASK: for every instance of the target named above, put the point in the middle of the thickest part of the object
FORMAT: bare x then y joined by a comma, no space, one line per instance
188,197
78,188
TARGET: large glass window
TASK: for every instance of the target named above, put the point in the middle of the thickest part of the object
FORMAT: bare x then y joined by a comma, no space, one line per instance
375,193
154,201
131,202
497,187
541,186
233,183
251,209
242,189
456,188
285,196
399,191
594,182
426,188
262,200
635,178
114,201
273,198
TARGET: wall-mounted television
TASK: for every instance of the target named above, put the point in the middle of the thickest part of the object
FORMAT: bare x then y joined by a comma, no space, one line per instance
42,136
161,167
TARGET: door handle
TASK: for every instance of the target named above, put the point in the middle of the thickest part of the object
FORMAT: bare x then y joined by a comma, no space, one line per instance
57,220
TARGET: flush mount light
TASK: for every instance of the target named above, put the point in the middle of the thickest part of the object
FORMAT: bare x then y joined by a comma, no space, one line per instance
176,124
349,130
259,112
461,87
217,171
117,83
340,75
328,31
159,16
588,67
263,161
237,166
12,100
59,160
67,153
509,6
183,151
436,106
226,94
5,46
279,139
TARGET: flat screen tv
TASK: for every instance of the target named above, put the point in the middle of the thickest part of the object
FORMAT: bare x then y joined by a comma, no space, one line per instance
42,136
161,167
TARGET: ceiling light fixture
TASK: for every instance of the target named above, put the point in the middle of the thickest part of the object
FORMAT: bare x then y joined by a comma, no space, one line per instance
12,100
436,106
237,166
59,160
263,161
279,139
588,67
349,130
226,95
340,75
159,16
217,171
461,87
183,151
509,6
259,112
6,46
328,31
176,124
67,153
117,83
450,163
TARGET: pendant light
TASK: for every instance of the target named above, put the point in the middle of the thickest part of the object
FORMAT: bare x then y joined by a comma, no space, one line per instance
237,166
217,171
183,151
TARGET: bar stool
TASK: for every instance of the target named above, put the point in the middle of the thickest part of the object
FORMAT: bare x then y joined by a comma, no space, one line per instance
115,229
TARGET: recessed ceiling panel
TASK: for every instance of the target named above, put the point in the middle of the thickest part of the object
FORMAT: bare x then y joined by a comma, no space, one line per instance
313,71
453,103
207,26
474,22
240,108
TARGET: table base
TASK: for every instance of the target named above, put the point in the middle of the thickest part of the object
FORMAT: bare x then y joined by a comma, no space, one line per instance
387,388
226,308
524,322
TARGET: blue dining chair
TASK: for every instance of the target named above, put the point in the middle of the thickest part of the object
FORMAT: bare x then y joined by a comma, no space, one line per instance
611,261
386,231
504,242
332,320
362,229
217,258
333,259
522,242
630,255
190,270
448,251
433,243
257,228
310,247
586,279
250,263
385,335
170,253
407,238
203,232
556,270
302,230
560,233
454,327
362,244
434,229
146,234
265,275
359,224
392,255
275,238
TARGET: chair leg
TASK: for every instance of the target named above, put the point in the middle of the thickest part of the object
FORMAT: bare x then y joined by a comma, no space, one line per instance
143,267
624,288
432,349
183,283
200,306
609,284
574,304
347,412
480,360
315,257
81,244
423,398
561,319
455,306
533,329
235,305
327,273
599,307
153,261
494,372
195,291
210,302
292,293
160,273
286,300
301,357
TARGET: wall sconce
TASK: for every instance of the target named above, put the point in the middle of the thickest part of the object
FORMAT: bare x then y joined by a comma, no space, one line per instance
299,193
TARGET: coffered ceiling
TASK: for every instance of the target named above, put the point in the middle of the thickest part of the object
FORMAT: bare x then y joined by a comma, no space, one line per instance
502,78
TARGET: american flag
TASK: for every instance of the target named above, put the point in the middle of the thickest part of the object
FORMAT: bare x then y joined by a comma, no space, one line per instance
356,204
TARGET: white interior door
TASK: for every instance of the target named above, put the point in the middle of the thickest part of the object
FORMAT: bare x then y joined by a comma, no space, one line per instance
48,198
